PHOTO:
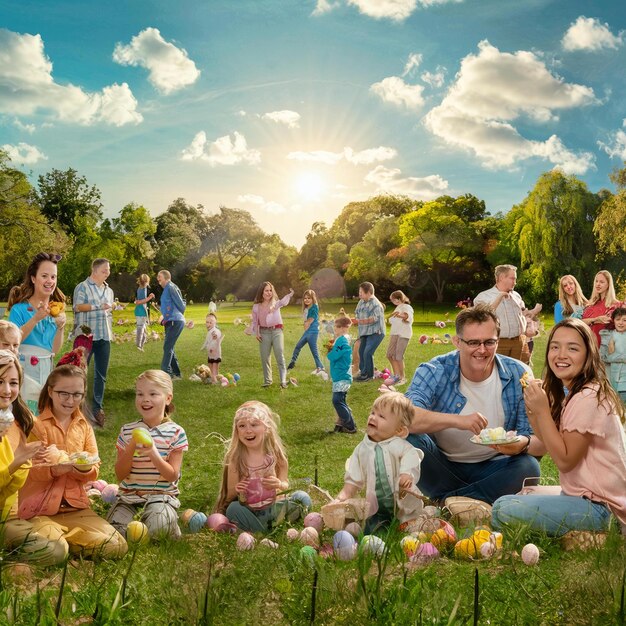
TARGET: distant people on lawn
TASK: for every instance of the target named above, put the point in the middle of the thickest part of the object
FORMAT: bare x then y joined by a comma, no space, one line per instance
571,300
42,326
385,465
579,417
267,327
54,499
458,394
340,359
509,307
213,346
93,303
613,351
142,305
602,301
370,319
255,473
311,321
173,311
148,474
401,321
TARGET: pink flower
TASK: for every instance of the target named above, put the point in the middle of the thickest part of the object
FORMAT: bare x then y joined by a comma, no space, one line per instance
34,360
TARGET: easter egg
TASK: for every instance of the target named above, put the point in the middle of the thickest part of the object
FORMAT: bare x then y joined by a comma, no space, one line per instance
354,528
530,554
487,550
343,539
141,437
186,516
245,541
326,551
466,549
197,522
423,339
99,484
308,555
93,493
409,545
224,382
236,377
425,553
496,539
310,537
431,511
442,538
373,545
314,520
292,534
137,533
109,493
220,523
268,543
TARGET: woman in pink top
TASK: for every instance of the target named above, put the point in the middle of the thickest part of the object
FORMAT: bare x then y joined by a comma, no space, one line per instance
267,326
583,433
597,314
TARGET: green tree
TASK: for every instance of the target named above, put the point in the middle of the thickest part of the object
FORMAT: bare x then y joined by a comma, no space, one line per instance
610,225
67,198
135,230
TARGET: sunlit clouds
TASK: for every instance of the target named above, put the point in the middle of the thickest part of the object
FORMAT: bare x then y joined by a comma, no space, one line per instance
589,34
223,151
24,153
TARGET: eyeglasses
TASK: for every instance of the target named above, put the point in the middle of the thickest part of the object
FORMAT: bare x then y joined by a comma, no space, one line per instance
66,395
475,343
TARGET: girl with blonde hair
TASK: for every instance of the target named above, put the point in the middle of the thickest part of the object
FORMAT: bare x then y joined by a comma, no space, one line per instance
597,314
311,317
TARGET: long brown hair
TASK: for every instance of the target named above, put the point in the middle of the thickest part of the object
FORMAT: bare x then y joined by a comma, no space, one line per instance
20,410
62,371
259,292
311,294
25,290
592,373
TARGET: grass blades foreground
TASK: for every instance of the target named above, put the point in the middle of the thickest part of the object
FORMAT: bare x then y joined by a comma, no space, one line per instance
204,579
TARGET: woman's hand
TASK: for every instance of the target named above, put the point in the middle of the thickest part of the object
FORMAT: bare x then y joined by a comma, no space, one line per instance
41,311
60,321
602,319
537,405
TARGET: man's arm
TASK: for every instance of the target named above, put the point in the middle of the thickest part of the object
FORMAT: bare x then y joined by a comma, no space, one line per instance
425,421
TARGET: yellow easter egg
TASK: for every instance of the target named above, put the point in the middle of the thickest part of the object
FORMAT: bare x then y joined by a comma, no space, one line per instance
137,533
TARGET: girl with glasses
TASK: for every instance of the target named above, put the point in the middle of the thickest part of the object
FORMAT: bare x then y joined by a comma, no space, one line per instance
54,498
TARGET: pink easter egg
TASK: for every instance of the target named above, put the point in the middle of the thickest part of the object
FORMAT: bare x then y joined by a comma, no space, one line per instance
314,520
354,529
268,543
245,541
99,484
220,523
530,554
292,534
423,339
310,537
109,493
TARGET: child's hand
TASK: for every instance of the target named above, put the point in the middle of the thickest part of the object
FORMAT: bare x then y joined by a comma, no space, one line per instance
242,485
611,346
272,482
405,481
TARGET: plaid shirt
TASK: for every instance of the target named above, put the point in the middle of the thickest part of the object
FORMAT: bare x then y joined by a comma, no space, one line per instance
370,308
100,322
435,387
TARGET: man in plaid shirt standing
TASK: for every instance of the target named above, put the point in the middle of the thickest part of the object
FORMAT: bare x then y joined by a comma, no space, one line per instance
93,302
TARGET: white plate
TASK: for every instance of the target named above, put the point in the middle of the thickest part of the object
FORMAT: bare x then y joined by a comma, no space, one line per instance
497,442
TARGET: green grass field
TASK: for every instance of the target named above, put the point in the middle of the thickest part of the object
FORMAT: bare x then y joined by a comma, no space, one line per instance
204,579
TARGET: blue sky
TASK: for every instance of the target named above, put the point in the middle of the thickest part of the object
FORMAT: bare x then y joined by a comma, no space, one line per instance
293,108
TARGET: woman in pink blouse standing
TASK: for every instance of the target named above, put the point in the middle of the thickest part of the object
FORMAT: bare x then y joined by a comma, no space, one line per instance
601,303
267,326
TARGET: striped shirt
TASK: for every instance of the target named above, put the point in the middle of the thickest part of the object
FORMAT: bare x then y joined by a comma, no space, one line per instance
144,477
100,322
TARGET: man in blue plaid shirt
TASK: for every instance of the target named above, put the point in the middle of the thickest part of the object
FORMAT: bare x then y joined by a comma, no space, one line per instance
93,302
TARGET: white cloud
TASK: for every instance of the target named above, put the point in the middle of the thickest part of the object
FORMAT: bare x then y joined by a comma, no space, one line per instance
587,33
291,119
324,6
394,90
27,87
222,151
169,68
413,62
435,79
24,154
390,181
616,147
27,128
362,157
267,205
493,89
397,10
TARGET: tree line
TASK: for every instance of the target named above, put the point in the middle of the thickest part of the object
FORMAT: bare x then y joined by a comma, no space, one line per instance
441,250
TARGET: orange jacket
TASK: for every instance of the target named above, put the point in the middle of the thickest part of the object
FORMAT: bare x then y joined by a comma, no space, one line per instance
43,492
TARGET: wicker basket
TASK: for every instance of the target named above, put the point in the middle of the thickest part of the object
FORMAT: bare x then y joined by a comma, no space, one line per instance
337,514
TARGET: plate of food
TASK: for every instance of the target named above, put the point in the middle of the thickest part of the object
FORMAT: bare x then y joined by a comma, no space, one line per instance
82,461
495,437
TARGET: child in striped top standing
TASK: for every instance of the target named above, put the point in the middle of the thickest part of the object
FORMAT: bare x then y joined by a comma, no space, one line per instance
149,474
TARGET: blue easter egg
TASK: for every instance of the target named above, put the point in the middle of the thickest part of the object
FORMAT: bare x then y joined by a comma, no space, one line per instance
343,539
197,522
236,377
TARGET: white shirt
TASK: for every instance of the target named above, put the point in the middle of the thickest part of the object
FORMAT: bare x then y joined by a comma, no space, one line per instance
398,325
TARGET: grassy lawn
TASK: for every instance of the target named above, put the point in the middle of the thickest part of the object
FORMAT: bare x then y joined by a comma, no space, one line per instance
204,579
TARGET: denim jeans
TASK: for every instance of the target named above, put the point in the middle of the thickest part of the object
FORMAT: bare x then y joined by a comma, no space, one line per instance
368,346
262,520
169,363
486,480
554,515
100,351
343,410
309,337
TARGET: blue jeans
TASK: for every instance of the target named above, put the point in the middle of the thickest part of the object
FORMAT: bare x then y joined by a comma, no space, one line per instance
309,337
100,351
368,346
261,520
486,480
554,515
169,363
343,410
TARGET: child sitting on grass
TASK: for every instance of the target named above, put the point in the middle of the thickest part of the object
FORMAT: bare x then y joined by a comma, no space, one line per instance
386,465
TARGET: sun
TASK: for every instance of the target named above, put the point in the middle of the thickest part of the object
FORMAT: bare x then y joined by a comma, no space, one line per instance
309,186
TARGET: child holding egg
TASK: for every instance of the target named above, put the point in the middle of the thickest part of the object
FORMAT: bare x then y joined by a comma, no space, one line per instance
255,473
385,464
579,418
149,459
54,499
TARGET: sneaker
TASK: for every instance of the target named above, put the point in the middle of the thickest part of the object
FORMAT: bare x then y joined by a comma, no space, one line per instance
291,365
265,385
99,418
363,379
468,511
284,385
341,429
176,377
